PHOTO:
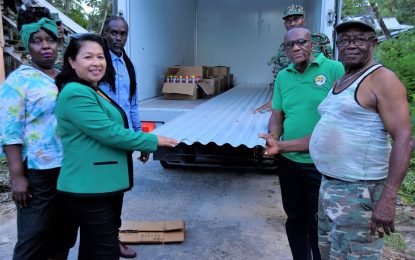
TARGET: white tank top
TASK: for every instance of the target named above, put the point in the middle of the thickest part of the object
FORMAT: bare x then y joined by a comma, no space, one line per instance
350,142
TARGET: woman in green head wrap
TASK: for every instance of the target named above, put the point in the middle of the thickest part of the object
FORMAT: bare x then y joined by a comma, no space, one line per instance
29,139
39,36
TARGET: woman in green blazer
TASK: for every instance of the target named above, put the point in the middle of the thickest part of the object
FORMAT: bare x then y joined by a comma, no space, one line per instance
97,145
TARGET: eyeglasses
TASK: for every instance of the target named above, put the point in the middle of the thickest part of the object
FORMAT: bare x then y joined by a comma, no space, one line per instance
299,43
358,41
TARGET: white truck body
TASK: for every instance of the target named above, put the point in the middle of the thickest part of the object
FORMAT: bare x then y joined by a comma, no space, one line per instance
241,34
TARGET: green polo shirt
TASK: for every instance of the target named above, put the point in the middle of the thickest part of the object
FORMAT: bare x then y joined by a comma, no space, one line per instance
298,96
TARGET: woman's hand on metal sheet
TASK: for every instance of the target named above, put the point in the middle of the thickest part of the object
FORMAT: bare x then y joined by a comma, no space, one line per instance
166,141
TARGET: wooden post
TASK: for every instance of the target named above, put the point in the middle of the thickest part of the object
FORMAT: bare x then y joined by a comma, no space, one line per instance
2,72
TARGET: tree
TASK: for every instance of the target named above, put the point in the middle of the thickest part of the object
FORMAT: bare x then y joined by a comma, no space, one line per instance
360,7
403,10
353,7
92,21
100,11
378,16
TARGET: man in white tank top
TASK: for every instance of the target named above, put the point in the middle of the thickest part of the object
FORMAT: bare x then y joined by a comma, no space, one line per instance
350,146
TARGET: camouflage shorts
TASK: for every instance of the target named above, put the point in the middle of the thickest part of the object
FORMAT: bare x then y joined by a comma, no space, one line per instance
344,213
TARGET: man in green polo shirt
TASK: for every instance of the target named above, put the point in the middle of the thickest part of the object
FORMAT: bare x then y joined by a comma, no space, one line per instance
298,90
294,16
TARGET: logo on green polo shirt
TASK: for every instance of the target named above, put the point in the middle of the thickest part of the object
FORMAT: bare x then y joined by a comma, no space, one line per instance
320,80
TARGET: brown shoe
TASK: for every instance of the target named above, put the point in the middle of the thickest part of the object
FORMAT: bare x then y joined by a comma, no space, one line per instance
126,252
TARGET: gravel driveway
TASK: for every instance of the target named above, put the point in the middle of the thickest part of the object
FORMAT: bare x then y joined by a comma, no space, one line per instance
229,214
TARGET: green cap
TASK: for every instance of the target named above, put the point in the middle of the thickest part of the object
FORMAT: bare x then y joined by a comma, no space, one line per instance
293,10
55,17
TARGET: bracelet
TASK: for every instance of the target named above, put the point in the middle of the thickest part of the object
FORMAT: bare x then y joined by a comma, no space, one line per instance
387,185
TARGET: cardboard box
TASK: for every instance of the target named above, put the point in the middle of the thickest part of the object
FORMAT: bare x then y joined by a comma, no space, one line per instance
186,71
218,71
210,86
223,83
179,90
132,232
230,81
187,91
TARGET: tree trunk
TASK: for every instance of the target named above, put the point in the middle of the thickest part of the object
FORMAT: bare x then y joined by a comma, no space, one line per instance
106,5
66,6
378,16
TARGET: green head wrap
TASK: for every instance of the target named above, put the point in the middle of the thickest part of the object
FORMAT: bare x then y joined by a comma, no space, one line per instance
28,29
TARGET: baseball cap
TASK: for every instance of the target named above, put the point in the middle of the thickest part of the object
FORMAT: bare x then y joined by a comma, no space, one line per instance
293,10
364,21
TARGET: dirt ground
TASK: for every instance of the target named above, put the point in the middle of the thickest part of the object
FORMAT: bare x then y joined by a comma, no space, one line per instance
7,208
405,220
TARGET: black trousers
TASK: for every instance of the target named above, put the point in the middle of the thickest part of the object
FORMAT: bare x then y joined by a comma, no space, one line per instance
39,223
300,184
98,219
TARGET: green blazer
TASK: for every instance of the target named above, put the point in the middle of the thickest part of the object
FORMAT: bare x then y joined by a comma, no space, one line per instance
97,144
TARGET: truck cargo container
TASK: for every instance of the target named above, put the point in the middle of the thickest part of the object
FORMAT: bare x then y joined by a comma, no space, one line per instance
241,34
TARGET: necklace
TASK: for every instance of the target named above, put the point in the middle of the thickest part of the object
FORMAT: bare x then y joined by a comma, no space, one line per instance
343,80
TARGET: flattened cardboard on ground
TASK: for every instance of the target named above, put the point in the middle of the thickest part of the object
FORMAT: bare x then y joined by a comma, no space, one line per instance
133,232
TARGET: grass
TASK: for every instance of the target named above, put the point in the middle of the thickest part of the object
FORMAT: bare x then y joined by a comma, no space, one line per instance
395,241
405,218
407,189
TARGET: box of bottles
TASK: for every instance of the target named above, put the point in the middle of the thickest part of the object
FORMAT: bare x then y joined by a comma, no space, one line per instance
181,82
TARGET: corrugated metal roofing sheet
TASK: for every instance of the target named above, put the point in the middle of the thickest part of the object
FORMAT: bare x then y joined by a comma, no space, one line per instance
224,119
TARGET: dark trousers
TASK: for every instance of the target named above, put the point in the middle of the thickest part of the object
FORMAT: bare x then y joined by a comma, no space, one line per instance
300,184
38,224
98,219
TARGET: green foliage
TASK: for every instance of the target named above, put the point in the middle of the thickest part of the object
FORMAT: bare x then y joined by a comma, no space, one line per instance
353,7
403,10
399,56
93,20
78,17
407,189
396,241
98,13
